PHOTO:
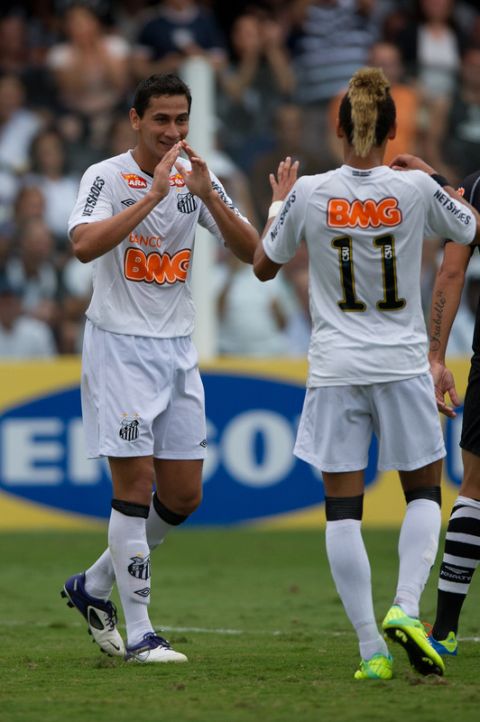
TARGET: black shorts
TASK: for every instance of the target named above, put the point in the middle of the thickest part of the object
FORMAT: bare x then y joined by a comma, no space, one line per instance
470,439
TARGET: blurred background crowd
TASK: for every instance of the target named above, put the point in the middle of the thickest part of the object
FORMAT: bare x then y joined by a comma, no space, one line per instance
67,75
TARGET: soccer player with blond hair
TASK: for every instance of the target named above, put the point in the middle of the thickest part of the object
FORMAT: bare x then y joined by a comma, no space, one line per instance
364,224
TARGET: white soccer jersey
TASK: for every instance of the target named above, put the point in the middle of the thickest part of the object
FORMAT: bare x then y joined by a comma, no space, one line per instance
141,287
364,231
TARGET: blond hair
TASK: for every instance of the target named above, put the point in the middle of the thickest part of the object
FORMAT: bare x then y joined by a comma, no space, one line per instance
367,89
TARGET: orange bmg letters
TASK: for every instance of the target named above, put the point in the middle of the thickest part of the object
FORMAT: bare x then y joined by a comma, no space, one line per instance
156,267
364,214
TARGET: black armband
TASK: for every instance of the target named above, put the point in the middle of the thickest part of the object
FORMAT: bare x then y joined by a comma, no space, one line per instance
440,179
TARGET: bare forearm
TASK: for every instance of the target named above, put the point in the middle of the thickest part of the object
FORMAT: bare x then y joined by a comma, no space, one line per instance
238,235
92,240
445,301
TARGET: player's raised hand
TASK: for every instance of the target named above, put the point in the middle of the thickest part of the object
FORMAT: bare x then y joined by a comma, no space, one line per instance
406,161
283,182
163,171
444,384
197,179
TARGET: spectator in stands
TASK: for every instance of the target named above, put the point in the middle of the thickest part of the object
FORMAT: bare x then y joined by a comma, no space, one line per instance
6,245
387,57
121,136
178,29
431,46
461,137
20,335
91,70
76,291
252,316
287,137
32,272
29,203
331,39
49,172
252,86
18,125
22,55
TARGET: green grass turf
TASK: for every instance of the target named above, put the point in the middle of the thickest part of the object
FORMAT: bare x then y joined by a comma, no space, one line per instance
292,658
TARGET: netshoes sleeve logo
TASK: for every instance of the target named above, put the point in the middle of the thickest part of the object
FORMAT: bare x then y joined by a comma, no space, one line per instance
93,196
156,267
342,213
134,180
453,206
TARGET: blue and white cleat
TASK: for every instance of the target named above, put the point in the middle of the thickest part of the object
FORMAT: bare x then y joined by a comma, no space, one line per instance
447,647
101,615
153,648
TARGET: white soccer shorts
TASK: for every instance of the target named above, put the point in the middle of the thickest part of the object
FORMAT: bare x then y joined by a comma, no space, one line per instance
142,396
337,422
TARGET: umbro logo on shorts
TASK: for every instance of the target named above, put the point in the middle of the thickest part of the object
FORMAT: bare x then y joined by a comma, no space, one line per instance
186,203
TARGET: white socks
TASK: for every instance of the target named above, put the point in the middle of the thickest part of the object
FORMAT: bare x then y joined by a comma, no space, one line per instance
351,573
100,577
127,541
417,549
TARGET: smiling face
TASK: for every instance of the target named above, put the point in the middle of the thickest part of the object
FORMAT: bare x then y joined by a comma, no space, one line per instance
164,123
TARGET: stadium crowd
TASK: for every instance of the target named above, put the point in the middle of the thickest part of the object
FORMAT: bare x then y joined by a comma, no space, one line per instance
68,70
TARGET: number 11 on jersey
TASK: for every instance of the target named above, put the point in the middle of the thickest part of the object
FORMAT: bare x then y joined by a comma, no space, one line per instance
350,301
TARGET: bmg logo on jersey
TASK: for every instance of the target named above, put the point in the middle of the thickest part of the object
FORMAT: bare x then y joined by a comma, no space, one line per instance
156,267
343,213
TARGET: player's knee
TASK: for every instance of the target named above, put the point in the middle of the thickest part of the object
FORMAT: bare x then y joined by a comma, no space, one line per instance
176,509
344,507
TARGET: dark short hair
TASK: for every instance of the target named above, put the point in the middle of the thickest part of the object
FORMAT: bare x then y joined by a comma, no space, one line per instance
156,85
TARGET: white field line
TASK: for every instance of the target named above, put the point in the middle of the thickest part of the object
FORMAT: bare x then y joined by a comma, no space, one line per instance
199,630
165,628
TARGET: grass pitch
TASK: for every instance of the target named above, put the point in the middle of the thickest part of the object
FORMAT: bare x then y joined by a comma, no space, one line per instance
256,613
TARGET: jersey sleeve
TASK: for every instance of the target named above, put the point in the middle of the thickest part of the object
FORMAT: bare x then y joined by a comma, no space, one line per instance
94,200
282,240
206,220
446,216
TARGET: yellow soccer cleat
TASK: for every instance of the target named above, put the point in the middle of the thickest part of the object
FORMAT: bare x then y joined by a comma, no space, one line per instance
377,667
410,633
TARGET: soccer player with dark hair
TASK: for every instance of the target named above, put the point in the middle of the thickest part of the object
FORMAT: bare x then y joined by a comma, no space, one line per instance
364,224
462,543
142,396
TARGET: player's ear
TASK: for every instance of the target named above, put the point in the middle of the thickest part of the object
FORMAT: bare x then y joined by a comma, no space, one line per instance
134,119
339,130
393,131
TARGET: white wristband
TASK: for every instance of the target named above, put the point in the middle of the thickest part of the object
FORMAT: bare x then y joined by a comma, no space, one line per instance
274,208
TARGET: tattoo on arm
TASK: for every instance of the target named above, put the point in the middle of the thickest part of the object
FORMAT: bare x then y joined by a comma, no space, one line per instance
437,317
